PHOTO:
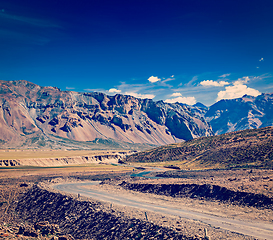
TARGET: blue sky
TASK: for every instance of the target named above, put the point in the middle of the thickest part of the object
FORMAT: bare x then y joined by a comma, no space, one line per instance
172,50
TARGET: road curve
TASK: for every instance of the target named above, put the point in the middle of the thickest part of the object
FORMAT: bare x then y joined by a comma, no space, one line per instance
261,230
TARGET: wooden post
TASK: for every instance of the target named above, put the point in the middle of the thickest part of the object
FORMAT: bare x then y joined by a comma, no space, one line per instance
206,234
146,216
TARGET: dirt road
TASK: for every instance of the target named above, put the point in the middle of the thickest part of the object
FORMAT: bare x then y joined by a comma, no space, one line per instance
261,230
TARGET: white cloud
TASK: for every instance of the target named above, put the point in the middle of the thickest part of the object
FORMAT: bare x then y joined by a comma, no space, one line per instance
172,76
213,83
69,88
191,83
26,20
153,79
225,75
261,59
242,80
114,90
176,94
238,90
168,79
16,23
139,95
186,100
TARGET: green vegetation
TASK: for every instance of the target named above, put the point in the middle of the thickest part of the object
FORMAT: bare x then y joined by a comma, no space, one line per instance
247,148
98,144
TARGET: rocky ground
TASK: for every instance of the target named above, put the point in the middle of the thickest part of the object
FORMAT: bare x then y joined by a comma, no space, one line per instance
31,212
15,183
35,213
242,187
246,149
256,181
11,225
88,219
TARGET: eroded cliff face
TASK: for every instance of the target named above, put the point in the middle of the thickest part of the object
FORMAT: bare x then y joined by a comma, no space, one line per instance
30,113
114,157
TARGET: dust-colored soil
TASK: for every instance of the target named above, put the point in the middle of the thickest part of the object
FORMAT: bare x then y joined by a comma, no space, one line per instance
212,207
184,225
48,153
250,148
14,181
49,158
88,219
82,171
193,227
257,181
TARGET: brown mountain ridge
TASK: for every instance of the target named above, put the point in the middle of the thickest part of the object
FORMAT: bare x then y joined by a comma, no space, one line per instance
36,117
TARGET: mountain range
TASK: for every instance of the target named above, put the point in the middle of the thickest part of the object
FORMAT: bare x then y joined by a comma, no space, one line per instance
31,115
46,117
237,114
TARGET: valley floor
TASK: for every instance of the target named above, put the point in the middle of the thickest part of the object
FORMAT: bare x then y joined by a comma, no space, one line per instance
116,178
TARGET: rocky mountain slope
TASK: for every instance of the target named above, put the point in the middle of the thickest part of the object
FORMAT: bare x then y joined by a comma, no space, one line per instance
35,116
247,112
247,148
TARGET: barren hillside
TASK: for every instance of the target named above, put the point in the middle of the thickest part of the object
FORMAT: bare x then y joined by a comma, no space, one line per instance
247,148
35,116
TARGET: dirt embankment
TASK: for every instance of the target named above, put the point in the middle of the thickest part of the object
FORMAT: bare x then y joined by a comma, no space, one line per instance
204,191
84,219
61,161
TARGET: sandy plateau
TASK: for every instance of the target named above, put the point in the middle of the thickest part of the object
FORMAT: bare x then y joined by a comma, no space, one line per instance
49,158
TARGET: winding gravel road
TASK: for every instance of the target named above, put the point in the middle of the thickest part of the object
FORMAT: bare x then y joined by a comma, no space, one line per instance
261,230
